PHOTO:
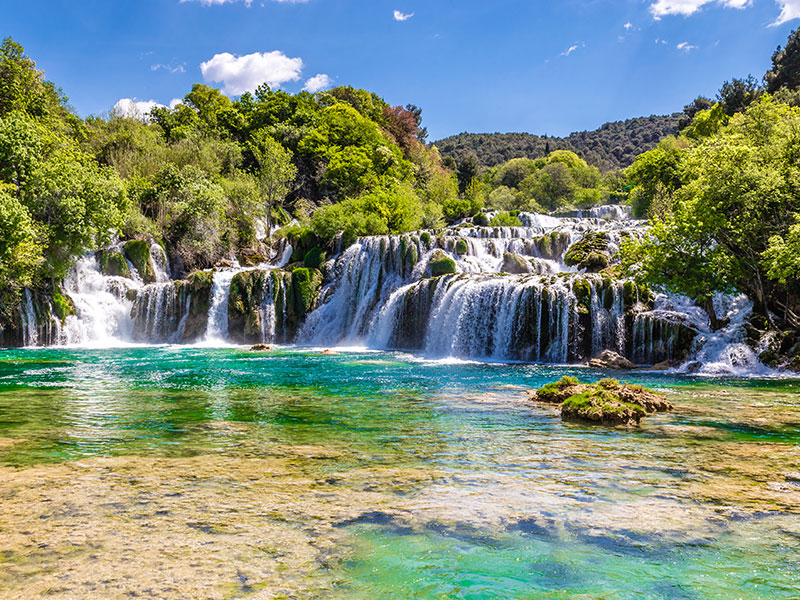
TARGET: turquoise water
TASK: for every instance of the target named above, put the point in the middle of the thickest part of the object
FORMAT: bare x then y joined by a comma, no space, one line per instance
406,478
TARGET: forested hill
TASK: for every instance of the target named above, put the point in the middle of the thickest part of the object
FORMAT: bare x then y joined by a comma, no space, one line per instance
612,146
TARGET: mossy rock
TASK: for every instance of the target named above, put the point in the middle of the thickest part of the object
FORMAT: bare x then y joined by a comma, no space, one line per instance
480,220
601,407
462,247
113,264
608,401
441,264
63,305
314,258
589,253
305,285
583,293
425,238
138,252
515,264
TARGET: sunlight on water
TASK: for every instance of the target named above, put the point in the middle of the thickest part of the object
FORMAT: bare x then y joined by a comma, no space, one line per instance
359,474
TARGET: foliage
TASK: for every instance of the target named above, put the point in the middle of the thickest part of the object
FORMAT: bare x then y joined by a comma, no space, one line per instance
728,228
20,250
785,71
612,146
505,219
782,256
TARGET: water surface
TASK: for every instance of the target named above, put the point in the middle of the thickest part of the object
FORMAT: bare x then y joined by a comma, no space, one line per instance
182,472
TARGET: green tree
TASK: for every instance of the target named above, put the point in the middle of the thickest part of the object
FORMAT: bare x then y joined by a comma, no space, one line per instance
785,71
276,173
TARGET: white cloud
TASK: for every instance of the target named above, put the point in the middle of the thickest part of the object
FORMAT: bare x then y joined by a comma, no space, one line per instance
400,16
662,8
628,26
318,83
175,101
790,9
240,74
170,68
134,109
570,50
686,47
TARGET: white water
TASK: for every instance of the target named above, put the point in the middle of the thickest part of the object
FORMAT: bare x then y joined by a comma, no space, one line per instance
217,331
377,294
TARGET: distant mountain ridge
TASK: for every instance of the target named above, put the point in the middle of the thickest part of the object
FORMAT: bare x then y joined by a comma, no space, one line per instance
612,146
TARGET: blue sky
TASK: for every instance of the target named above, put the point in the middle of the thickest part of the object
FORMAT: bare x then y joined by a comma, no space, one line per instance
506,65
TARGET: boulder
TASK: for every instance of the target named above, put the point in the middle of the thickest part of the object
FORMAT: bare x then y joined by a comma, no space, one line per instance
441,264
260,348
608,359
515,264
113,264
589,253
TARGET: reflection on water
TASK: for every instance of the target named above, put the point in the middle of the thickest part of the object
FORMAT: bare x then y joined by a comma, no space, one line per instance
184,472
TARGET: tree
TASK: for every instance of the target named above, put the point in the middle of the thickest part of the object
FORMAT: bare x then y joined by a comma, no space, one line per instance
276,173
690,110
657,172
785,71
736,95
20,250
738,188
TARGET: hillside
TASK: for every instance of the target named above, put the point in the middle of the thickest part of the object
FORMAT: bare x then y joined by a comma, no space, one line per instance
612,146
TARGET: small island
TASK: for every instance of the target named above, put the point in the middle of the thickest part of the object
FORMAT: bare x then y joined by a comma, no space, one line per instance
608,401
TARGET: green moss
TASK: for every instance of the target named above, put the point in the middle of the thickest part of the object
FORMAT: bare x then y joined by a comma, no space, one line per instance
583,293
138,252
113,264
314,258
425,238
480,220
590,253
305,284
412,255
612,384
63,305
441,264
462,247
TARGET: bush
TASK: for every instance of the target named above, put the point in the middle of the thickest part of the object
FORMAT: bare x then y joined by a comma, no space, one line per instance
505,219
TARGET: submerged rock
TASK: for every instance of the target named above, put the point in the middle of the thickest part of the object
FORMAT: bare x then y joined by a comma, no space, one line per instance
260,348
608,359
608,401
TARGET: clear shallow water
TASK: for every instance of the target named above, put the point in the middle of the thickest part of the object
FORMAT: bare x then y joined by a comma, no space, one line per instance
224,473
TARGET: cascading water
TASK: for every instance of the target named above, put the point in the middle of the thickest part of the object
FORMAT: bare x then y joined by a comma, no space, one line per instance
102,306
508,296
217,331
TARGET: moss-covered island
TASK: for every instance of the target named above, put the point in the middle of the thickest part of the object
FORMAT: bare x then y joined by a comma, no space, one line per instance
608,401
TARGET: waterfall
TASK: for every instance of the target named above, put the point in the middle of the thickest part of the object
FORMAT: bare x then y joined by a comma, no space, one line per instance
30,330
160,262
218,311
102,305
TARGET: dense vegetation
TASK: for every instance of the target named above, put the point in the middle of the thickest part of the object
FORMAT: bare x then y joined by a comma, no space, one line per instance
613,146
203,178
724,197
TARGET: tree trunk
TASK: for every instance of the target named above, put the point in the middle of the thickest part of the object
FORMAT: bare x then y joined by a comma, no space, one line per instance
708,305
